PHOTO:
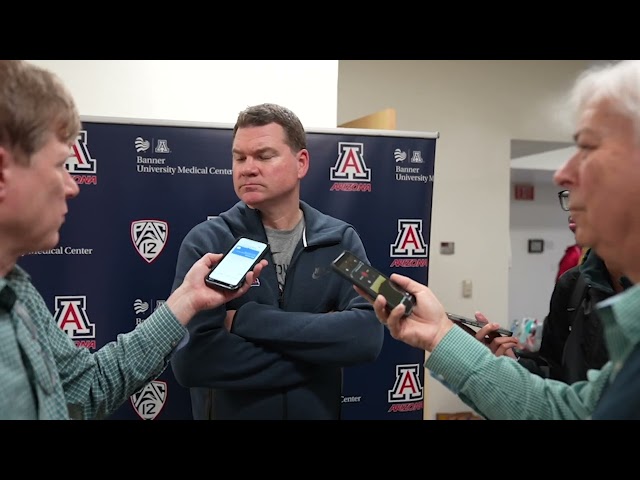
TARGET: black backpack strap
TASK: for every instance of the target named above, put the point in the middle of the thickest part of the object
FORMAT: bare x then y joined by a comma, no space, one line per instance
574,363
539,365
577,295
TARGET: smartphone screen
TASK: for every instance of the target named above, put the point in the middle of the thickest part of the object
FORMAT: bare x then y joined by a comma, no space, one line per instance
239,260
372,281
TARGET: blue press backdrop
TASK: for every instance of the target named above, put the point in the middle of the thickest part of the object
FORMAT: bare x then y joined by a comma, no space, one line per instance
145,184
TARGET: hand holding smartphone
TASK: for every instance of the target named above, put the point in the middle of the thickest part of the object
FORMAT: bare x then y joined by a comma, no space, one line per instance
230,272
474,323
372,281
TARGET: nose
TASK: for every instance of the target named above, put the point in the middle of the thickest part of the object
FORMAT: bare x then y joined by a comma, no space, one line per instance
71,188
565,175
249,166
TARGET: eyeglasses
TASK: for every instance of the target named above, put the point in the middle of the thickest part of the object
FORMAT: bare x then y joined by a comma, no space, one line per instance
563,196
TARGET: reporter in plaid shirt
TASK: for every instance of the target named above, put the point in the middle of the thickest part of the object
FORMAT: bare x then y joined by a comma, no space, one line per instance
43,375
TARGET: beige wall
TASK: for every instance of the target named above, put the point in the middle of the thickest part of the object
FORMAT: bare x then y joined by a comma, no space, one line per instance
478,107
211,91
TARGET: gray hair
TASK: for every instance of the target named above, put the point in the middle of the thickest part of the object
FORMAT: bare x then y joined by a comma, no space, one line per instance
34,103
617,83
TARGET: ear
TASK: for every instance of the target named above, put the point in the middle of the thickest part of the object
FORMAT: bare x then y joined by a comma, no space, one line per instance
4,174
7,170
303,162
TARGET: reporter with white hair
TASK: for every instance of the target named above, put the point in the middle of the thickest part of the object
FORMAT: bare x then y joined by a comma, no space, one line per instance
603,178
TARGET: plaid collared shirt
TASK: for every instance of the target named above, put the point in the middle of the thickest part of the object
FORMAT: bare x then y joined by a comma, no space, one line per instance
43,375
499,388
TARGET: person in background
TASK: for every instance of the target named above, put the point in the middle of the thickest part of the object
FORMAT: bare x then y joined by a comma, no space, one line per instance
602,177
573,254
572,339
43,375
278,352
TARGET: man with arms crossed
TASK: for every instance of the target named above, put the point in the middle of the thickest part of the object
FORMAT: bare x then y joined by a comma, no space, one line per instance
43,375
603,178
278,352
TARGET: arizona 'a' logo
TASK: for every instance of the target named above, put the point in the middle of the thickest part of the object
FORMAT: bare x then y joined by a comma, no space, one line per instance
350,166
409,242
407,387
149,401
80,161
71,317
149,237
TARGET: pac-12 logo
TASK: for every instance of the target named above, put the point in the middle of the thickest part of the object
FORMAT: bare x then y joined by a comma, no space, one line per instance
350,169
80,165
149,401
409,244
407,389
149,237
71,316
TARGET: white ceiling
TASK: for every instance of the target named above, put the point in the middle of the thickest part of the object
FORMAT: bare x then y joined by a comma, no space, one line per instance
538,167
551,160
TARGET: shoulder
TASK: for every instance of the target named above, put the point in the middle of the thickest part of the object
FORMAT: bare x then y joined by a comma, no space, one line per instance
208,233
621,401
20,282
563,291
205,226
312,212
568,279
228,220
315,219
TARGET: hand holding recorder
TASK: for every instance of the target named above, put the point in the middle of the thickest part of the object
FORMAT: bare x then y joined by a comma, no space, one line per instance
390,297
371,281
412,312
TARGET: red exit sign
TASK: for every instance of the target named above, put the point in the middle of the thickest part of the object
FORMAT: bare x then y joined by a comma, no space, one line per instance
523,191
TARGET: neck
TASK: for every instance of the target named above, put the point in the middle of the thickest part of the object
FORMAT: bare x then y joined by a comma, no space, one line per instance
283,216
6,265
282,220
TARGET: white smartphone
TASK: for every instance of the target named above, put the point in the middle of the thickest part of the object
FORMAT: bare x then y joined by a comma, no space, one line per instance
239,260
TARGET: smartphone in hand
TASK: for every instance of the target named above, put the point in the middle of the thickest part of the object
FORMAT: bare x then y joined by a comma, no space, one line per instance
372,281
474,323
230,272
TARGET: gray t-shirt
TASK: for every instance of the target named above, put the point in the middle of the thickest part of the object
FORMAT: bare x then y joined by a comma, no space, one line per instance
282,244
